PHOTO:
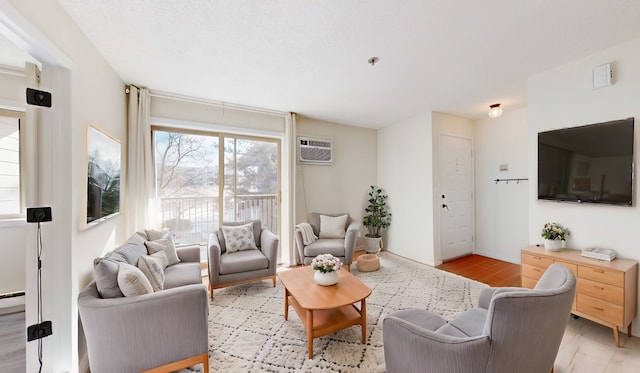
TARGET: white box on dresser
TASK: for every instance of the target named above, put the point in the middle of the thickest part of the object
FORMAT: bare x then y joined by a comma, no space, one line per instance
606,291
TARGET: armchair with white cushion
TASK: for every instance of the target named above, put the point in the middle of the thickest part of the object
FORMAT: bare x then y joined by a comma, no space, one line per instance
333,234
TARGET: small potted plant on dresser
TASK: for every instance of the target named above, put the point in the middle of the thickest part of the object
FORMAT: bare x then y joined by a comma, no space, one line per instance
554,236
377,217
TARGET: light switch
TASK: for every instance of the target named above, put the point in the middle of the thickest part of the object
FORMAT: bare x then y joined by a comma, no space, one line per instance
504,167
602,76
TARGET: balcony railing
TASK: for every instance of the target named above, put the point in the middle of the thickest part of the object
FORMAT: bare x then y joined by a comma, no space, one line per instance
192,219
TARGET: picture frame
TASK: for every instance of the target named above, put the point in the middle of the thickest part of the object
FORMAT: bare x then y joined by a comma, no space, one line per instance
103,175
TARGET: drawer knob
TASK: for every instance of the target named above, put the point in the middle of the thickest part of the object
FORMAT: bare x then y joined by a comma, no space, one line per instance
598,308
598,270
598,287
536,270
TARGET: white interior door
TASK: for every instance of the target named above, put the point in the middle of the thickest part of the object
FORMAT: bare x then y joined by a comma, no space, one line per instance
456,197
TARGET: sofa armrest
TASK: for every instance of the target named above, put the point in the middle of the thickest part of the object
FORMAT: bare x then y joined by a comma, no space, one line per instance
350,238
269,245
189,253
300,246
131,334
213,258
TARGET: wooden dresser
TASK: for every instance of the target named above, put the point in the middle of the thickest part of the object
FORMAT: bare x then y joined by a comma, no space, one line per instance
606,291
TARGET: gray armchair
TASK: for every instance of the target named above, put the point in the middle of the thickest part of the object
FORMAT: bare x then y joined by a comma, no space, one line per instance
512,330
226,269
341,248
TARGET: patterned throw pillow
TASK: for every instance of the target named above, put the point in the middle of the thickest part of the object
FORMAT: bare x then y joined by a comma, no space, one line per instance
153,268
166,245
239,237
332,226
132,281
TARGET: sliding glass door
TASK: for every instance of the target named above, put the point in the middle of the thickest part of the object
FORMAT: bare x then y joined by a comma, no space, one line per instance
201,184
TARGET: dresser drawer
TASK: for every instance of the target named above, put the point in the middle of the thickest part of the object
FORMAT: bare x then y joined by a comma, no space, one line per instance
601,309
573,267
601,275
532,271
528,282
602,291
537,261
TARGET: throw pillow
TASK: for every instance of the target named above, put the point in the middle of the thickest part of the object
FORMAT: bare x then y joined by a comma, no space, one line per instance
166,245
132,281
239,237
332,226
153,235
153,268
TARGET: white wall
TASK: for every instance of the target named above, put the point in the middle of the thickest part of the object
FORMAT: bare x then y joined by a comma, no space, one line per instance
502,210
405,172
344,185
563,97
96,96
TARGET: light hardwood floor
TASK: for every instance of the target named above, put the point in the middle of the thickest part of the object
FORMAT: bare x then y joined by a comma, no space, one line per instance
12,342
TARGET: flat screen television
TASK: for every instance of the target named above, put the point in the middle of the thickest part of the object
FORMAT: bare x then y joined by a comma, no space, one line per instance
587,164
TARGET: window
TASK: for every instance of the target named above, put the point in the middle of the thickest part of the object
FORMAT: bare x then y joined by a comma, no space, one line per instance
11,200
203,179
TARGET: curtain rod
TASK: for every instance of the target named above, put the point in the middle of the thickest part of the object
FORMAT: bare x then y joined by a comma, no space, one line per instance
220,104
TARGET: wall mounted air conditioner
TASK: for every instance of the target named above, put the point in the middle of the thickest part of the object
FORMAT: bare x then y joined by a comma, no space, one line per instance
315,150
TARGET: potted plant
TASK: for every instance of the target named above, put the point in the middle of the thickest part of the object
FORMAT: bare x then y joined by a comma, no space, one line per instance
325,267
554,236
378,217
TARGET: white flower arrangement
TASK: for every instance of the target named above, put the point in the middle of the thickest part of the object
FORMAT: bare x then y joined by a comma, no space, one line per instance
554,231
326,263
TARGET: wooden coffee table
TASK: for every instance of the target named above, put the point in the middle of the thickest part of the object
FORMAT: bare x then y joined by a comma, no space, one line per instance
325,309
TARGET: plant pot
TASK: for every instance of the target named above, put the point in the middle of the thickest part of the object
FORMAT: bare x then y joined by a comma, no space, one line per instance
326,279
553,245
373,244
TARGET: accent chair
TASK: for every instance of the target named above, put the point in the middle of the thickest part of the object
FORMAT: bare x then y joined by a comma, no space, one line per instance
246,260
511,330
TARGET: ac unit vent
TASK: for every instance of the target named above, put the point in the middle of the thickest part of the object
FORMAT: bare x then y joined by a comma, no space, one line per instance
316,151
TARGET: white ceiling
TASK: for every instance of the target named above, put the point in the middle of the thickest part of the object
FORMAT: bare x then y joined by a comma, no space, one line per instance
310,57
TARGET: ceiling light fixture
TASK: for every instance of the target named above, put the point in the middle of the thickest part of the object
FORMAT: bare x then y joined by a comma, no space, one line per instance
495,111
373,60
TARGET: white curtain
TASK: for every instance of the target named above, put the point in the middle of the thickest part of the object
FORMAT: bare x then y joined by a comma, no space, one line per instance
140,196
289,216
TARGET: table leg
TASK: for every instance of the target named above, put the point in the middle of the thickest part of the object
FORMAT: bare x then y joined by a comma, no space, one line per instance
363,320
286,304
310,332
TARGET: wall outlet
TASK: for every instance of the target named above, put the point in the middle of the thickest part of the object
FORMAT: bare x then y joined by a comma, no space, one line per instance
504,167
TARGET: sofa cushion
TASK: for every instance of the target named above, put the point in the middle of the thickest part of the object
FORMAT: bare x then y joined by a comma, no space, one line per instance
257,229
153,235
132,281
314,220
153,268
166,245
333,246
181,274
105,269
239,237
332,226
242,261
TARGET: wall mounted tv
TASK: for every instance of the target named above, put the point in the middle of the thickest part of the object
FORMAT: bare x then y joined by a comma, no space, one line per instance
587,164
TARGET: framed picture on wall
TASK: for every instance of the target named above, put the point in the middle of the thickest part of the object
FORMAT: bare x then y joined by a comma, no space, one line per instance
103,175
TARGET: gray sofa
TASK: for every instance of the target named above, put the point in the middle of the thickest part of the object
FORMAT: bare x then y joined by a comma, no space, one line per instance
511,330
342,248
166,328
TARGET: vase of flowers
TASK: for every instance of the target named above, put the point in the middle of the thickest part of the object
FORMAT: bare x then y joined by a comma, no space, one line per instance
325,267
555,236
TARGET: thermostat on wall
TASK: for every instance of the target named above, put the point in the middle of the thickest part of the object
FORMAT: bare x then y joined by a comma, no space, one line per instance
602,76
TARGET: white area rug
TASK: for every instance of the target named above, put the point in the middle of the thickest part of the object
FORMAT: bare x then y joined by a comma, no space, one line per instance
248,332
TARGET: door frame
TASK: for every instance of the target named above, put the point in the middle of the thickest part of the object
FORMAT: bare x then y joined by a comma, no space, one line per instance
437,199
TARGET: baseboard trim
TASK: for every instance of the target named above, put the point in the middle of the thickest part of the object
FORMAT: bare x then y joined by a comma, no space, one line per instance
498,257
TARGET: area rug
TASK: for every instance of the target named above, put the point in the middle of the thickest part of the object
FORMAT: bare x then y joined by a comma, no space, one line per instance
248,332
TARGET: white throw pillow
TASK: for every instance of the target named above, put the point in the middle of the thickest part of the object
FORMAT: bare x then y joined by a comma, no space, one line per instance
166,245
332,227
153,268
239,237
132,281
153,235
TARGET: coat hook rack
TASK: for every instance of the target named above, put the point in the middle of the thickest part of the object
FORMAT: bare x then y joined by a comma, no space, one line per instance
518,180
